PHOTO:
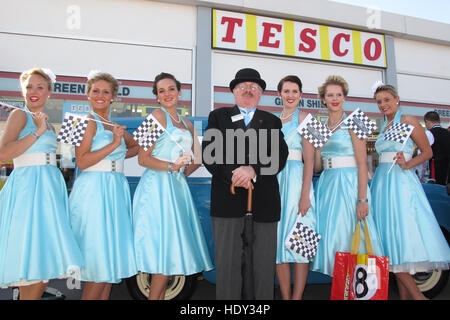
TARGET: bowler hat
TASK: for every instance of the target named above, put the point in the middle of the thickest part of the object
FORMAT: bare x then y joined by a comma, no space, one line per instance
247,75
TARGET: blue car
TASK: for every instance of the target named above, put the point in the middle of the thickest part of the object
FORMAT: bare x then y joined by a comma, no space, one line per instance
182,287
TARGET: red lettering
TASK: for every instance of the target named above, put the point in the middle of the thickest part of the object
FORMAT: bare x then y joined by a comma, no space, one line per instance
337,44
232,22
267,34
368,46
304,37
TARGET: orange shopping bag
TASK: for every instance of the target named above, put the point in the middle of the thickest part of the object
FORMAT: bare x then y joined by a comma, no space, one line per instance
360,276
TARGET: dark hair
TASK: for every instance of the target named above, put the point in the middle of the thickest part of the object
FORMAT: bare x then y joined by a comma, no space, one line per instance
290,78
432,116
161,76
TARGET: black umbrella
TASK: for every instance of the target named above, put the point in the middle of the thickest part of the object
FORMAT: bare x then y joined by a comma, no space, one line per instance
247,252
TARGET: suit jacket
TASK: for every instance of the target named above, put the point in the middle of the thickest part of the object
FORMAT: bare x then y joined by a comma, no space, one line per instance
441,154
266,196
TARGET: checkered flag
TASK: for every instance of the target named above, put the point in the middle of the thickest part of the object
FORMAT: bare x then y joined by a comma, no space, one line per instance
303,240
73,129
314,131
148,132
399,132
360,124
7,107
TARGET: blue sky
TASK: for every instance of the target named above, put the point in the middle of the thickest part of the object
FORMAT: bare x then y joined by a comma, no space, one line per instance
436,10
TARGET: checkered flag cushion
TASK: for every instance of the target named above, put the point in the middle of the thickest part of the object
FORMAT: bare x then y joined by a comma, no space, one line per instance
73,129
360,124
148,132
314,131
303,240
399,132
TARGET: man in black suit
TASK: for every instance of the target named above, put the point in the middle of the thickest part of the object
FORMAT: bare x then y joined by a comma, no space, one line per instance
244,146
440,147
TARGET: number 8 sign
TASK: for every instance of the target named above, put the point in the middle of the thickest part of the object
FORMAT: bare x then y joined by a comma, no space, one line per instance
370,277
365,284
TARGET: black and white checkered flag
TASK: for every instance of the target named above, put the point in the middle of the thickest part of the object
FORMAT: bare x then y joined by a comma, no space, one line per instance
314,131
72,129
303,240
398,132
7,107
148,132
360,124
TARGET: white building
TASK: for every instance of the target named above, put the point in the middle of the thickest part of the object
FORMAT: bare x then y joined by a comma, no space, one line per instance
203,43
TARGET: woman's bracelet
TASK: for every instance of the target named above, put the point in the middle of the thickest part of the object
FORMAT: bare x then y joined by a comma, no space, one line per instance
34,134
363,200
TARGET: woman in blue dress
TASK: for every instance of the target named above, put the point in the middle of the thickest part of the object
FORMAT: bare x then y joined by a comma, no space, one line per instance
342,193
36,241
408,229
100,202
168,236
296,191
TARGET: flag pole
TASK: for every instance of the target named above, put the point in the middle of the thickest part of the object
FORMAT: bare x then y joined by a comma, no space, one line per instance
393,163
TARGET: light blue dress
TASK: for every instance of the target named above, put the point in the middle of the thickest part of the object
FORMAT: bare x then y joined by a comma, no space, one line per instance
408,229
290,181
36,241
100,212
336,202
168,236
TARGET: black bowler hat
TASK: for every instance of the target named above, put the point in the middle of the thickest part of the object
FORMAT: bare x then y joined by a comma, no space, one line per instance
247,75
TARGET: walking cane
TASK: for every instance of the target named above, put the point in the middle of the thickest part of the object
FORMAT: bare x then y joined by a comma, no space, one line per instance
247,252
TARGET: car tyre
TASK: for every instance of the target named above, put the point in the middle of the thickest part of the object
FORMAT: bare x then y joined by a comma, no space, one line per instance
431,283
179,287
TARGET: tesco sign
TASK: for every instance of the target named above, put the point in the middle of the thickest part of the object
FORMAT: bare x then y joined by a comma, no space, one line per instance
246,32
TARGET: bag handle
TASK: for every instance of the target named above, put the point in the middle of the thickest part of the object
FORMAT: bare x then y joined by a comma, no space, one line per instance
356,239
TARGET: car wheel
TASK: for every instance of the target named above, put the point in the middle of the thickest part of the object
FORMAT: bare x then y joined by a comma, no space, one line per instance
179,287
431,283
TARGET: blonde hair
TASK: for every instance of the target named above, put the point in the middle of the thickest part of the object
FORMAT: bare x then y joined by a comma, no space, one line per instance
106,77
388,88
333,80
28,73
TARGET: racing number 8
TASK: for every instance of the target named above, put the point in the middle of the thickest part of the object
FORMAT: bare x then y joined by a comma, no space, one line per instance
361,276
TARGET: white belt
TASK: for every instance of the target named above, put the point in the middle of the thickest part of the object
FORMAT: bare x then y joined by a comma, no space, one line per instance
295,155
35,159
389,156
338,162
107,166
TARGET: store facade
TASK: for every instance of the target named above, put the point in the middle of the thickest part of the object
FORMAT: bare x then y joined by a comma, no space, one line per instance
204,43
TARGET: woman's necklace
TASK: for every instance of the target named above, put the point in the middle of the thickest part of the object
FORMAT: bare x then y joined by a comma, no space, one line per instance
284,118
337,125
388,124
177,121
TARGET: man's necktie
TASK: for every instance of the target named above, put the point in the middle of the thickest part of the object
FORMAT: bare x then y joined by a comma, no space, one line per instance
248,115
